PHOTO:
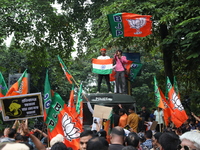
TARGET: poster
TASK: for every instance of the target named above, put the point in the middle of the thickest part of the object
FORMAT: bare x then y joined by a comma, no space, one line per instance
102,111
22,106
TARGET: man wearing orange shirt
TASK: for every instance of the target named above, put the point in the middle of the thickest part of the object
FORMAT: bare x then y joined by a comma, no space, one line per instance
133,120
123,118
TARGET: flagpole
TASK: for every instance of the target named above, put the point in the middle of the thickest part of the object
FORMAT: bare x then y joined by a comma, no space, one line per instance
79,87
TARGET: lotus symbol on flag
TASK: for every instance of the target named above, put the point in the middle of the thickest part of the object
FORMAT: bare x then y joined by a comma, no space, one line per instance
70,131
137,24
177,102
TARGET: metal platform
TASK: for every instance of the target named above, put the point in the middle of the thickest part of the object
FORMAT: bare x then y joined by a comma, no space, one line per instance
108,98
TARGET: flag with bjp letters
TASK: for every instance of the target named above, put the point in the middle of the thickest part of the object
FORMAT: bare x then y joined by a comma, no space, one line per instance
129,25
59,119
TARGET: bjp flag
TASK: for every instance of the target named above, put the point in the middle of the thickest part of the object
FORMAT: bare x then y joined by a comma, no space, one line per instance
129,25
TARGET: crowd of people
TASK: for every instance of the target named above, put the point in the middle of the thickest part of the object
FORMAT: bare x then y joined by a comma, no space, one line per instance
130,131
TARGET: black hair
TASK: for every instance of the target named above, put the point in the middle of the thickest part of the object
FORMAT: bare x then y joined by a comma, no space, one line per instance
101,133
120,51
169,141
122,110
59,146
19,137
86,133
157,135
118,131
132,108
132,139
12,133
148,134
97,143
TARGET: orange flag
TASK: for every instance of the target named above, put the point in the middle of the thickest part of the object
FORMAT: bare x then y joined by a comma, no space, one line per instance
167,110
129,25
179,115
68,127
71,106
126,65
20,87
66,71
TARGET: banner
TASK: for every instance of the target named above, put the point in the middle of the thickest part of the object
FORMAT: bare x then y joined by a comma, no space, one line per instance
129,25
22,106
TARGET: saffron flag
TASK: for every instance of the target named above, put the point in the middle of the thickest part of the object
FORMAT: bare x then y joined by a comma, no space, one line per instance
60,120
102,66
66,71
167,110
20,87
71,104
109,124
129,25
178,116
158,99
47,96
3,86
127,65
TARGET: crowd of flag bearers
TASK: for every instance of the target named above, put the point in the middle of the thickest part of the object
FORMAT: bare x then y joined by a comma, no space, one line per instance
64,122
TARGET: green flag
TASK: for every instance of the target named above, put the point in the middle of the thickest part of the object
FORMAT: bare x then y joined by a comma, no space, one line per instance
56,106
47,96
168,87
135,69
176,87
66,71
158,98
3,86
78,104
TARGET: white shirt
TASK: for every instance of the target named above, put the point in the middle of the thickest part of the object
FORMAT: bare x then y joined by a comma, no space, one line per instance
103,57
159,116
94,126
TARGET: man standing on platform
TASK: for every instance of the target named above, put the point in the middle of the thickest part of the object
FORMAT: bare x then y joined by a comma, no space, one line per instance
101,76
120,72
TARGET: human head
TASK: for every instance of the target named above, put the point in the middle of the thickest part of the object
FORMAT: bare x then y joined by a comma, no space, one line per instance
103,51
84,138
101,133
97,143
122,111
12,133
169,141
59,146
132,139
148,134
155,139
131,109
117,135
143,108
119,52
191,139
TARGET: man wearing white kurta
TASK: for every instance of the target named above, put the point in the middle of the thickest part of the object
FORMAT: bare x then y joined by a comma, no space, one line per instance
101,76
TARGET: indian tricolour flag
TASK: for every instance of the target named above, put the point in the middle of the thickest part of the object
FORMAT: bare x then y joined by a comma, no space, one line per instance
102,66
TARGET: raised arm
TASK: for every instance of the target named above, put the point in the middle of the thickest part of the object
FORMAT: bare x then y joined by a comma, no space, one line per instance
197,118
90,107
36,141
